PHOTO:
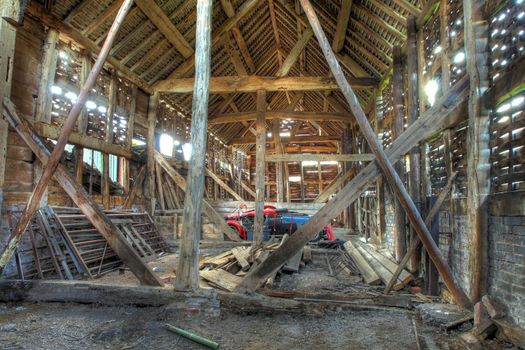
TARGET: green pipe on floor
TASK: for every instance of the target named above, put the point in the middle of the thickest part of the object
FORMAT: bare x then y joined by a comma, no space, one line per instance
196,338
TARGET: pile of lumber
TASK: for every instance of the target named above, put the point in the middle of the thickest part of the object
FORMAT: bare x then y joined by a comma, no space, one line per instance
376,266
226,270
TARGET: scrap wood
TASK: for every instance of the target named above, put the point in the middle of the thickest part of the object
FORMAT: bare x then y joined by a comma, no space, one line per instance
405,276
454,324
367,272
382,271
292,264
217,260
221,279
241,254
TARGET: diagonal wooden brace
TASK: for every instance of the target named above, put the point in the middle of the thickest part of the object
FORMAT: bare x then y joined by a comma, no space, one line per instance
78,194
207,209
52,162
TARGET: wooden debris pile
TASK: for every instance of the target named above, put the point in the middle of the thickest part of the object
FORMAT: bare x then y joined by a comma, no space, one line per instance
375,266
226,270
61,242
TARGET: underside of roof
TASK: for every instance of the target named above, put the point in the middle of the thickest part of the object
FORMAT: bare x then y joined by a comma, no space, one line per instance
258,43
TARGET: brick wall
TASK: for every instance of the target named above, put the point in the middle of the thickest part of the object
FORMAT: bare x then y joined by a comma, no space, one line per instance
506,251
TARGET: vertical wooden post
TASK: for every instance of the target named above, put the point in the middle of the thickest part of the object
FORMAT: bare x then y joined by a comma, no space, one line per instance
109,138
260,150
45,97
188,264
150,151
276,131
380,188
129,137
82,122
7,46
400,244
413,114
445,59
478,151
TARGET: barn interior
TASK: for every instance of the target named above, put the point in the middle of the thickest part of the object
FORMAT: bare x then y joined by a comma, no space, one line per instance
262,174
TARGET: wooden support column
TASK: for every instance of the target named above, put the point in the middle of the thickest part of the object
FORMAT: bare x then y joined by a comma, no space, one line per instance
129,137
413,114
109,139
45,97
7,47
279,176
380,188
400,242
150,152
67,128
259,275
260,146
188,264
478,151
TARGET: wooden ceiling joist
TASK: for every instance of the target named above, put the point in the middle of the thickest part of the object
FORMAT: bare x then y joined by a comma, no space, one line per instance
342,24
165,26
283,115
294,53
285,140
290,157
235,84
111,11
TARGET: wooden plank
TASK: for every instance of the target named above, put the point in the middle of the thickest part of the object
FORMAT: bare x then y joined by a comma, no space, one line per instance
369,275
47,77
404,277
165,26
292,265
222,279
84,202
252,83
241,254
103,17
260,146
281,115
297,139
343,18
288,157
381,270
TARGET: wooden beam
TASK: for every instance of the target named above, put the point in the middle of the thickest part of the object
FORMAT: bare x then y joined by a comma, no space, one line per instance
188,263
83,200
7,43
47,77
478,150
224,185
400,240
252,83
343,117
320,157
296,139
230,12
214,217
260,127
234,55
343,18
258,275
69,124
53,132
165,26
76,10
292,57
150,153
279,175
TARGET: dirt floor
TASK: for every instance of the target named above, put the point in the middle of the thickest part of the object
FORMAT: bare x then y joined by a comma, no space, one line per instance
76,326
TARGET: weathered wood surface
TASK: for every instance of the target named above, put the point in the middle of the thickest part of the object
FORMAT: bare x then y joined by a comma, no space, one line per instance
188,264
281,115
296,139
252,83
58,151
221,278
216,218
258,225
319,157
369,275
224,185
84,202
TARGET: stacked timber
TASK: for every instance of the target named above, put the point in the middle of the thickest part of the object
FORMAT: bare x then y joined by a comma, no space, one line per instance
226,270
375,266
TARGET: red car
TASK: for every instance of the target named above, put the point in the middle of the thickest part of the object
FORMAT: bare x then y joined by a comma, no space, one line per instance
277,222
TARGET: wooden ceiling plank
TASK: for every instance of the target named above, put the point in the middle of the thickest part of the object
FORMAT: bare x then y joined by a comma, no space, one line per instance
343,18
235,84
414,10
165,26
76,11
389,11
